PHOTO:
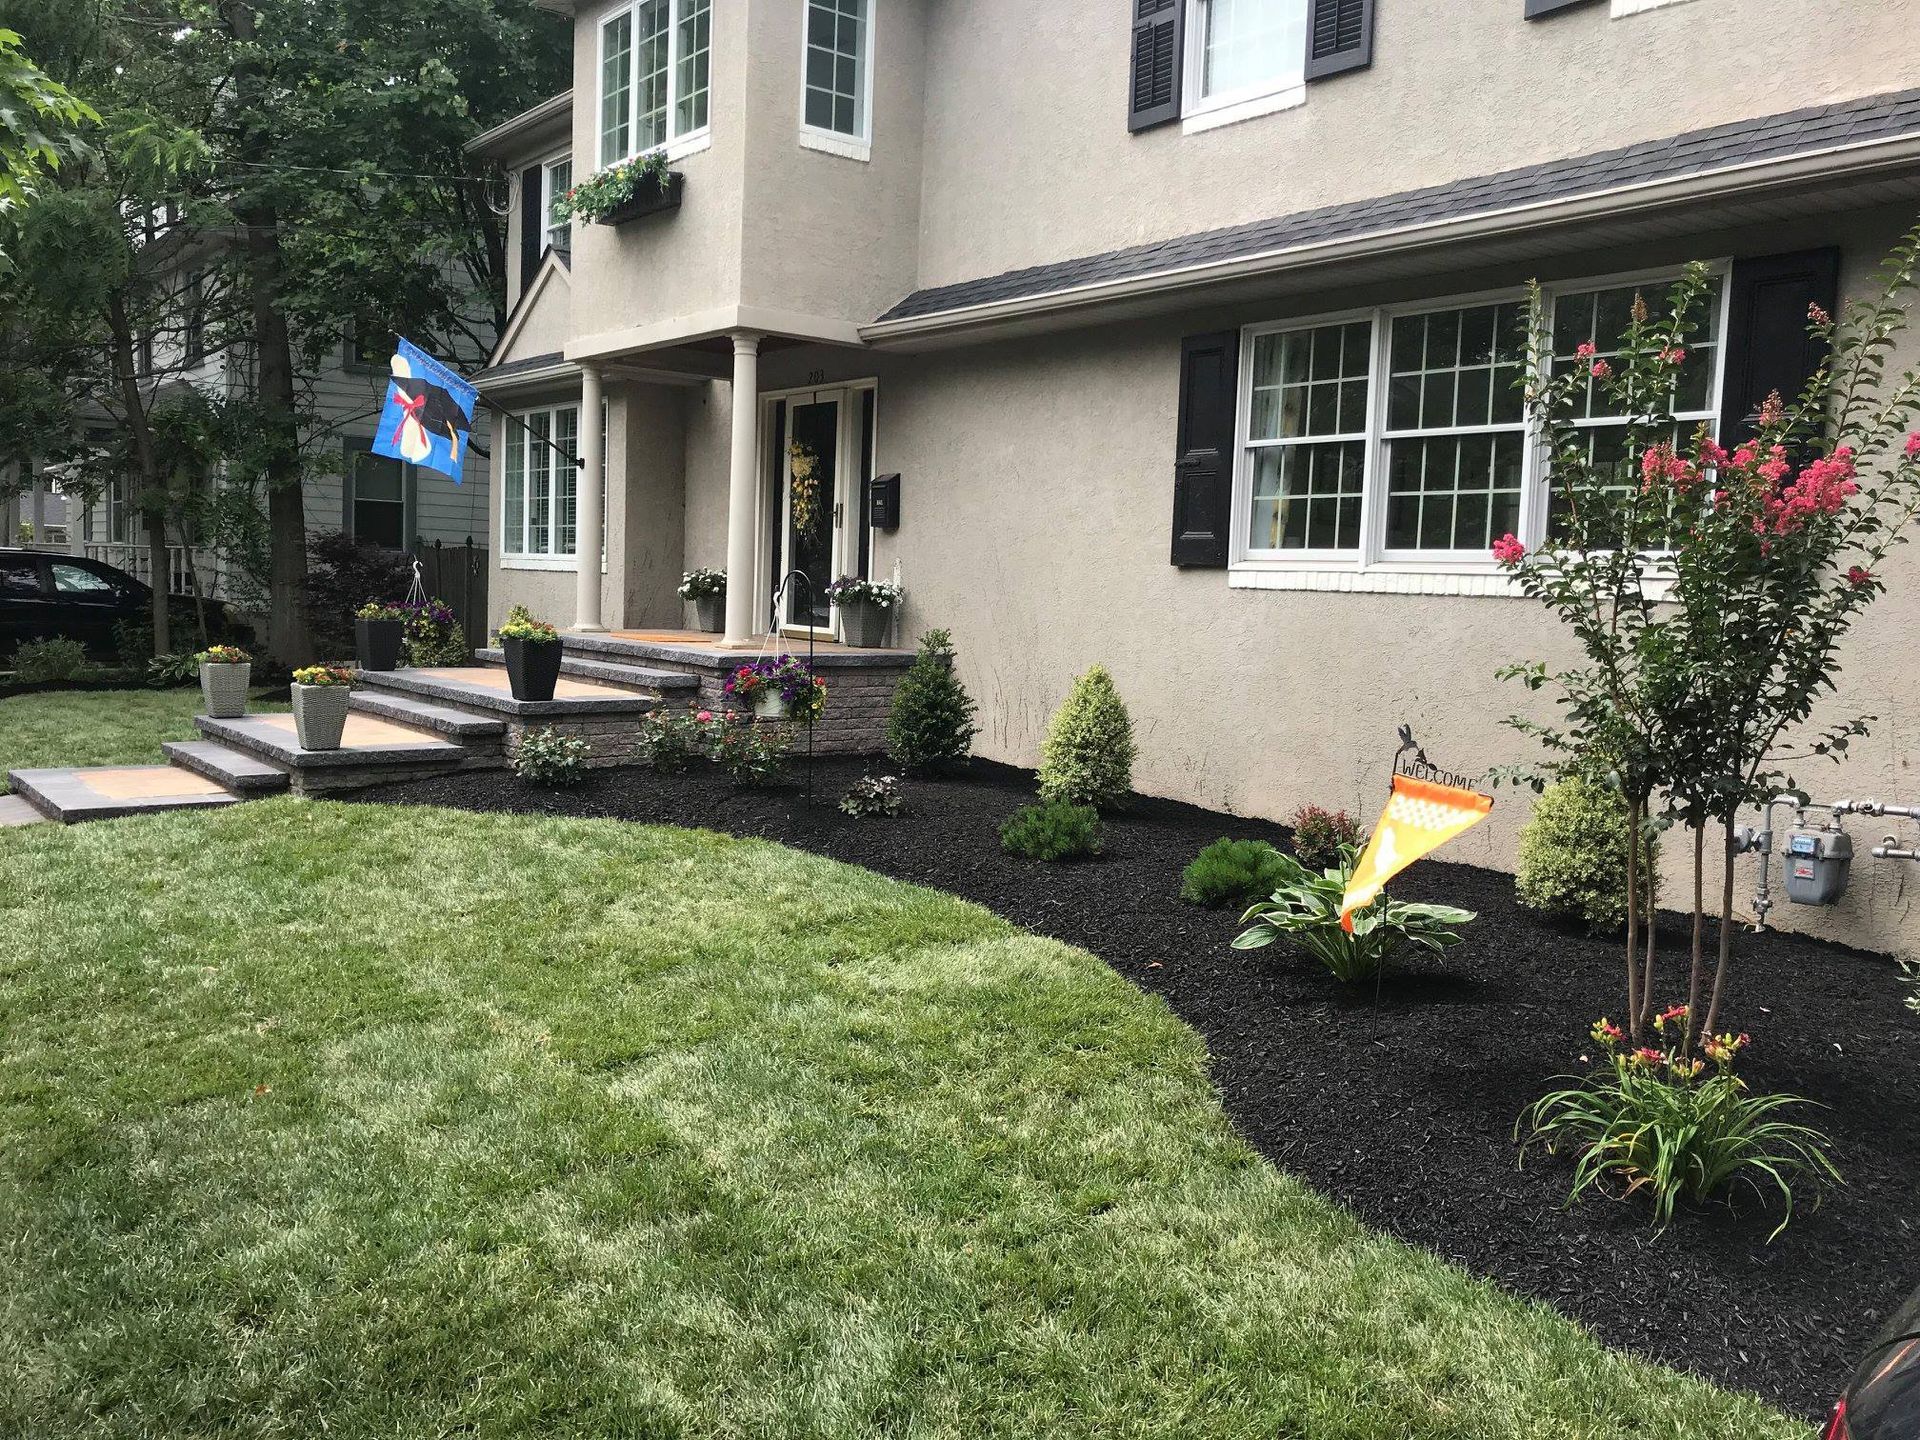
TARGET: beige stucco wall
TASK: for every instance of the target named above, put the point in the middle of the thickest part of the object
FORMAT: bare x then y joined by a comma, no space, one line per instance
1028,158
651,455
1037,505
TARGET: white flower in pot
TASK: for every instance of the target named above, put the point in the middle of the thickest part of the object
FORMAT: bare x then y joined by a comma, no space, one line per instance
867,608
706,591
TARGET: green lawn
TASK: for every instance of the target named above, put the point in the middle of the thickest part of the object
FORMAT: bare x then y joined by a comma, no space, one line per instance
369,1122
95,727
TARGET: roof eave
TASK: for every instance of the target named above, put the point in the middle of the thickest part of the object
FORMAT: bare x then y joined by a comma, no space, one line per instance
1089,304
527,123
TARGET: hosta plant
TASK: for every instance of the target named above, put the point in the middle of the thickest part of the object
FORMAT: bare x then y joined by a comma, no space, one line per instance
1677,1124
1305,908
873,795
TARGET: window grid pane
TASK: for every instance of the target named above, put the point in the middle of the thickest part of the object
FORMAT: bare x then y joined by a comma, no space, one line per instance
1251,44
559,228
650,112
539,482
616,89
694,44
1455,370
836,68
566,475
1308,423
513,537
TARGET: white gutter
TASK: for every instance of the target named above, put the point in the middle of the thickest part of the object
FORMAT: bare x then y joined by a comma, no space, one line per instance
1852,161
525,121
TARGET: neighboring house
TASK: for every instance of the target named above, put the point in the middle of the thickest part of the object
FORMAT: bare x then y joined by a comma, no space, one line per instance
1188,325
380,500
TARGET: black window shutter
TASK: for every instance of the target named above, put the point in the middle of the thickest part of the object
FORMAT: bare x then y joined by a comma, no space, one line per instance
1154,83
1539,9
1768,347
533,225
1203,459
1339,37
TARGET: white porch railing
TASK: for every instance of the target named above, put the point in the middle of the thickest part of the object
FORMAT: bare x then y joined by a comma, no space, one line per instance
183,564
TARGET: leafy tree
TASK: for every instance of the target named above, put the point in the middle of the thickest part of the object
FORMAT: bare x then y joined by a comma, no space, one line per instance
39,123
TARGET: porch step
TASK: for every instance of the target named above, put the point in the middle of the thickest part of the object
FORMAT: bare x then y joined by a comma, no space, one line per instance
484,689
15,811
372,750
243,773
110,792
641,677
461,725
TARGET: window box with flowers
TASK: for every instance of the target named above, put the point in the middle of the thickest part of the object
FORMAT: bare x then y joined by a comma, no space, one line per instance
623,192
320,705
866,607
533,654
782,688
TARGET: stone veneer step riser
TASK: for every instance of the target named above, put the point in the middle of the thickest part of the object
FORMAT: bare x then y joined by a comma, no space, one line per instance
503,704
694,658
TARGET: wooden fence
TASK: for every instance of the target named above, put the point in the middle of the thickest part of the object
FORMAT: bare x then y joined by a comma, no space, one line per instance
457,574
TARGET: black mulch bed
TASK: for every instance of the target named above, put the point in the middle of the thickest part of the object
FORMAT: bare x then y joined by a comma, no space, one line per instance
1403,1108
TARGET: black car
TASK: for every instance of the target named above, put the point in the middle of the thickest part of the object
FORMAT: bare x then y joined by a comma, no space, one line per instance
44,596
1882,1400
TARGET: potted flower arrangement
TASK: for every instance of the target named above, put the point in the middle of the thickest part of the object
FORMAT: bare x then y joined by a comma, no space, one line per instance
435,635
867,606
782,688
533,655
707,591
320,705
379,630
225,673
624,192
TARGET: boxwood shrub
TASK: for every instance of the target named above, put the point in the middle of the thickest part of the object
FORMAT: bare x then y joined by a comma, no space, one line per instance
1573,856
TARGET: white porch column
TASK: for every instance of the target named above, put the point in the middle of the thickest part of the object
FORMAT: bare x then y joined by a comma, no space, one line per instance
742,492
588,541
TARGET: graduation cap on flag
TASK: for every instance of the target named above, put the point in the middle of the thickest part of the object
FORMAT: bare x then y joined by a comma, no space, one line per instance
428,415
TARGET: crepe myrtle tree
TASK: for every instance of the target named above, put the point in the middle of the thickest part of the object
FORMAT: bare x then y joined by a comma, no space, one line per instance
1710,587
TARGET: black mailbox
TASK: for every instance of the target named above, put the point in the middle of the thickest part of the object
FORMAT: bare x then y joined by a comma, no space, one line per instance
883,502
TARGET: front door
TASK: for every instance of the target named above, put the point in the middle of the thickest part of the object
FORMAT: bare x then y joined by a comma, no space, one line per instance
813,462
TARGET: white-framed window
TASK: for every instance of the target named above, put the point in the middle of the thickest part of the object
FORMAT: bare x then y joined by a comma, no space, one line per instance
556,178
1398,437
1244,57
655,57
836,78
539,507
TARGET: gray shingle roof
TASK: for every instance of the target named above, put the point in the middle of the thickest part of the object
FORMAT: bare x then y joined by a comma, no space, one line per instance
1770,137
520,367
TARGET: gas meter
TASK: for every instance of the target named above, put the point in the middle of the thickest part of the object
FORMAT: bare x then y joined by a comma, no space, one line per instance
1817,862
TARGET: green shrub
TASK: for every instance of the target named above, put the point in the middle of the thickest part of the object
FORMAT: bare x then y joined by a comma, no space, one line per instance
1674,1126
752,754
671,740
1231,872
180,668
1052,831
1573,856
1306,909
1087,757
1320,835
931,721
550,757
44,662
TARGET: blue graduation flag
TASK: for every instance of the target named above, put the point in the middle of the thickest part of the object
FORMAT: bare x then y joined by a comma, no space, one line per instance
428,414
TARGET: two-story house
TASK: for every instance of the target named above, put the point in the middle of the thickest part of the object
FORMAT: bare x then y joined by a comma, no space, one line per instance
1189,327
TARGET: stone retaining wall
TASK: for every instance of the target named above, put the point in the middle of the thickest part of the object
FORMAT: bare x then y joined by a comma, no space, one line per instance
858,698
611,739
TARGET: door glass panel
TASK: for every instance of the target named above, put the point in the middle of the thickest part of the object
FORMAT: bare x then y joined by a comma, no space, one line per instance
813,462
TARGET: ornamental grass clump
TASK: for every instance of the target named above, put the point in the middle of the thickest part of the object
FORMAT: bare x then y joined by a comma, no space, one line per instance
1573,857
1305,908
1231,872
1052,831
1674,1123
930,723
1087,756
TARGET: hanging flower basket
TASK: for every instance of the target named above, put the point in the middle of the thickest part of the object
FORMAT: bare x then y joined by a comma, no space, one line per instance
782,688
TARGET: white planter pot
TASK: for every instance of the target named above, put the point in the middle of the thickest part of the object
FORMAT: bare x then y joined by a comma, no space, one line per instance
320,715
770,705
710,613
224,688
865,624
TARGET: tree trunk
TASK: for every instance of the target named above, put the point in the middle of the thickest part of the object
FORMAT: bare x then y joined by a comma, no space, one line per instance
146,482
1699,967
287,636
1726,937
1633,918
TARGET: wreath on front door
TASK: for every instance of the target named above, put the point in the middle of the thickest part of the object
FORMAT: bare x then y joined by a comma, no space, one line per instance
804,468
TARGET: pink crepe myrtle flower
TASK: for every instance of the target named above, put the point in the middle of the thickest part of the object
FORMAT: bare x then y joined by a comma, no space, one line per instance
1601,370
1818,316
1822,488
1674,355
1858,575
1913,444
1584,350
1508,550
1712,457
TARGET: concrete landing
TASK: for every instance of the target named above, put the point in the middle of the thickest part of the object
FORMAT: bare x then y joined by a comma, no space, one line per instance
486,689
14,810
111,792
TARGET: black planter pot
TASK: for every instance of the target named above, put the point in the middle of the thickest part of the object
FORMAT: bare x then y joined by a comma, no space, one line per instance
647,200
376,643
533,669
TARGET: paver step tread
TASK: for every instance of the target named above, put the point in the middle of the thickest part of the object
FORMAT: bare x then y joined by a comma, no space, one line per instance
238,770
427,715
484,689
369,741
111,792
643,677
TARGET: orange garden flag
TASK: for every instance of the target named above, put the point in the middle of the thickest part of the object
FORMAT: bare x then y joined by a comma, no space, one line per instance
1421,816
